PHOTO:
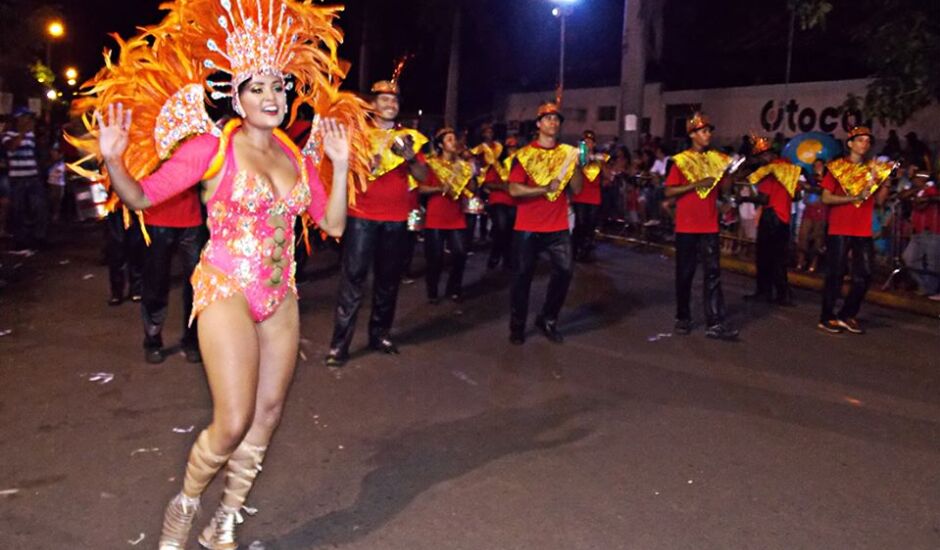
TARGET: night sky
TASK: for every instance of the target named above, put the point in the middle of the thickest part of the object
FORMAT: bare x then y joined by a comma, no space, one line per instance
512,45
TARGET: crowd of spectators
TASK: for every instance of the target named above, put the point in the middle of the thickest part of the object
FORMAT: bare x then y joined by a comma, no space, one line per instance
32,180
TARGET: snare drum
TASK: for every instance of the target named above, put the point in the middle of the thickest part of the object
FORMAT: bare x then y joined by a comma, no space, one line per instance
473,205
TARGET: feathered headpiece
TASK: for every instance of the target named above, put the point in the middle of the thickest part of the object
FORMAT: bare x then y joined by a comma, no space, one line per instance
759,144
166,71
698,121
391,86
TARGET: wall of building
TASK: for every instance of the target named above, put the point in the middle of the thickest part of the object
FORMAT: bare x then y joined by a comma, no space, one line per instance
800,107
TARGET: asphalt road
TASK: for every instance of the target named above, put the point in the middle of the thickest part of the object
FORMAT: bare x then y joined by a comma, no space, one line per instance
623,437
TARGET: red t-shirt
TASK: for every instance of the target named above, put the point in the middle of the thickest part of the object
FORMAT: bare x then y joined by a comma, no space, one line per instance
590,192
387,199
927,218
442,212
183,210
693,214
497,196
780,200
537,214
847,219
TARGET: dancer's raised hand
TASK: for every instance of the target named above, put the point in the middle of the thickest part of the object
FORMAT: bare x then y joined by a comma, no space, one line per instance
113,131
335,141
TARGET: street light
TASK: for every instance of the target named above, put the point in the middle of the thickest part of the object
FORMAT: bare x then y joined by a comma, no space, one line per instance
71,73
56,29
562,9
51,94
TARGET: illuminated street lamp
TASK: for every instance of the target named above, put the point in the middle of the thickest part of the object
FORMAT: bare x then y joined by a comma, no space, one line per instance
51,94
56,29
71,73
562,9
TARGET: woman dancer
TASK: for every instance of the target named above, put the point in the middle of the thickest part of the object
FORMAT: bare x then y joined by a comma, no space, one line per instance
254,183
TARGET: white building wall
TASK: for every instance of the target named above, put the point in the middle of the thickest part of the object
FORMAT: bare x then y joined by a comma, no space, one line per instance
735,111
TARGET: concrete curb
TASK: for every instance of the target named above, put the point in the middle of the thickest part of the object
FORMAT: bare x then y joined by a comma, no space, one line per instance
894,300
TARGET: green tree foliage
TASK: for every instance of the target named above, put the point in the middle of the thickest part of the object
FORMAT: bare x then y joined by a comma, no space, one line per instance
900,41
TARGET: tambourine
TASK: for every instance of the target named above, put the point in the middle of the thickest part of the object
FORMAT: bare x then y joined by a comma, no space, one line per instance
416,219
473,205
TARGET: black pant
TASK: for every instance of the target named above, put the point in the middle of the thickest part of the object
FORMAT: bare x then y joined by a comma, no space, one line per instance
773,236
504,217
368,242
690,247
29,212
526,247
837,251
124,249
165,242
410,242
434,255
585,222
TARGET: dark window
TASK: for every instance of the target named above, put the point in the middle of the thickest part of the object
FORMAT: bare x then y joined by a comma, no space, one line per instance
607,113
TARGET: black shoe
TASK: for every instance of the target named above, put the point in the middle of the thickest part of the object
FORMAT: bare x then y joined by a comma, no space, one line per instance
455,298
115,301
192,355
785,302
154,356
757,297
683,327
549,329
516,338
385,345
491,265
721,331
433,300
336,358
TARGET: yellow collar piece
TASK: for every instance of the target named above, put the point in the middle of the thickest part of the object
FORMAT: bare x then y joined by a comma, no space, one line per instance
855,178
786,173
380,149
593,168
490,153
503,168
455,175
544,165
698,166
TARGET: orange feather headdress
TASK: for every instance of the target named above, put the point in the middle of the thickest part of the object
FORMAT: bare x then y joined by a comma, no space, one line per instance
205,49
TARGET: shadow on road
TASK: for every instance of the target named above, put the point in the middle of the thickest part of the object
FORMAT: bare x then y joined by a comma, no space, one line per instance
417,460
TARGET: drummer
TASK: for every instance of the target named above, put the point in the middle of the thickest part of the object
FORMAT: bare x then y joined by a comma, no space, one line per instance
542,175
449,180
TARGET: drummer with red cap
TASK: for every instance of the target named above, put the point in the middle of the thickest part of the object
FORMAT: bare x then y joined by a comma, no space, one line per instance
542,174
851,187
695,180
376,231
449,180
776,181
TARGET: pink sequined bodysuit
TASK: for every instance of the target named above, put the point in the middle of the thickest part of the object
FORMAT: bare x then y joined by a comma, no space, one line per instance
251,230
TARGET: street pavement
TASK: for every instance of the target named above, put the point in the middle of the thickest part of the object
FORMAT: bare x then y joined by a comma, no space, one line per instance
624,437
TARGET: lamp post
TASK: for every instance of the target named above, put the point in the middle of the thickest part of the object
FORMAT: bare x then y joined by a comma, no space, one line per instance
562,9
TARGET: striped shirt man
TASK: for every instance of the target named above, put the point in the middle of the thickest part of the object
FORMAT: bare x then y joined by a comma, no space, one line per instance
22,159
